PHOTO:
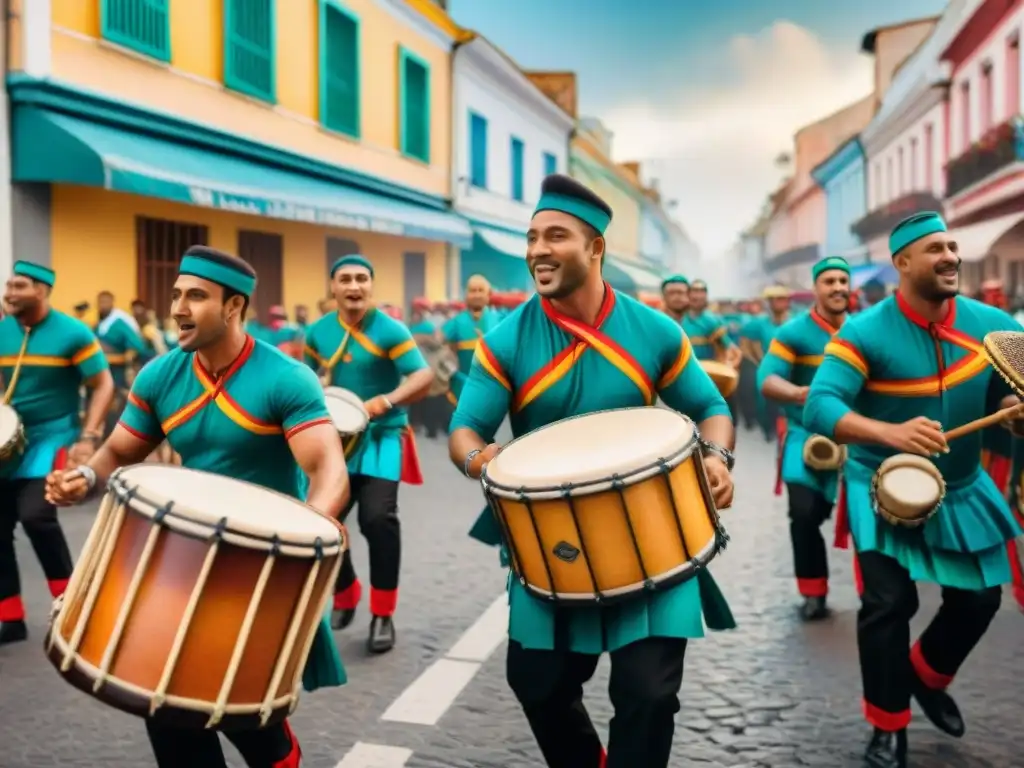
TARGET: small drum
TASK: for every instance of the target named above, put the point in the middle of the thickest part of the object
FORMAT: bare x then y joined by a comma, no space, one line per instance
349,416
12,435
907,490
726,377
196,599
823,454
604,506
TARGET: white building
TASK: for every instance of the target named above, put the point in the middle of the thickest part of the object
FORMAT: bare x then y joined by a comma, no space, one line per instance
507,136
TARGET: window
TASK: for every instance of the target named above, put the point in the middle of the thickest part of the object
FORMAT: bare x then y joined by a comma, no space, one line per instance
890,181
929,155
516,151
1013,76
987,94
550,164
159,247
142,25
265,253
477,151
414,106
965,116
901,180
249,48
913,165
339,69
877,184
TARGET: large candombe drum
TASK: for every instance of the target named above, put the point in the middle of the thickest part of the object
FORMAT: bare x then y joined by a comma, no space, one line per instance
601,507
726,377
196,599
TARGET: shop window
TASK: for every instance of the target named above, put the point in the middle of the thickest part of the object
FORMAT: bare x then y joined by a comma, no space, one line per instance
550,164
336,248
477,151
516,152
339,69
142,25
159,246
249,48
265,252
414,106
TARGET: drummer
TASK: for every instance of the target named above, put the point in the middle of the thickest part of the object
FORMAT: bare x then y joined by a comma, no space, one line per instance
464,330
575,348
266,421
361,349
45,356
913,365
757,336
785,376
707,331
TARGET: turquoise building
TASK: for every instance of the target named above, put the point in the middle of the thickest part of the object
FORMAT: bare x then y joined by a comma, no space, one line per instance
842,176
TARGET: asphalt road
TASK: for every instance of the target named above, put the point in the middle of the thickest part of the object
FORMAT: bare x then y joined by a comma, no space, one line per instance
774,693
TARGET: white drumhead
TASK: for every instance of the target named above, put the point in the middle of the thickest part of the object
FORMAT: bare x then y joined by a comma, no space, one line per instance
911,486
206,498
9,422
594,447
346,410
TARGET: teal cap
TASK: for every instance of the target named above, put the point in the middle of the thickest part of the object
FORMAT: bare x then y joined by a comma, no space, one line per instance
352,260
217,267
561,193
674,279
913,228
36,272
830,262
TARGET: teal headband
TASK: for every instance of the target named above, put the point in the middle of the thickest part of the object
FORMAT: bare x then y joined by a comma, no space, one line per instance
673,280
912,229
354,260
218,273
574,206
830,262
35,272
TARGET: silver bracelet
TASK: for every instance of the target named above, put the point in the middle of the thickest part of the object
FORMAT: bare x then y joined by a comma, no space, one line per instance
469,459
723,453
88,474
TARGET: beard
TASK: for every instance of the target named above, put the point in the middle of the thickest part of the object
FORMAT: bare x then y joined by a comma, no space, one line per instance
568,279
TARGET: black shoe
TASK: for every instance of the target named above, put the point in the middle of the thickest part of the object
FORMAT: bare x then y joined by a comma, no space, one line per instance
939,708
13,632
382,635
814,609
342,617
887,750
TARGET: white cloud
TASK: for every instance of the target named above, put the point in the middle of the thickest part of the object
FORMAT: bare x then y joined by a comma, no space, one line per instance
713,150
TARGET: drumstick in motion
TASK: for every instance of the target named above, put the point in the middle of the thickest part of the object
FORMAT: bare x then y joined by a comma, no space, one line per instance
1006,414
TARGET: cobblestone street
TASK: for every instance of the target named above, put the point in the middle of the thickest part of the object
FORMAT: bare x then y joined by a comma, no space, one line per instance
772,694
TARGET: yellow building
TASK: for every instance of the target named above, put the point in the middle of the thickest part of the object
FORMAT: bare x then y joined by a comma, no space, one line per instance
289,132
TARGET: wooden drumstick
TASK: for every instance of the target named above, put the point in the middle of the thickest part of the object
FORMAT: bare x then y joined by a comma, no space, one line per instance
1006,414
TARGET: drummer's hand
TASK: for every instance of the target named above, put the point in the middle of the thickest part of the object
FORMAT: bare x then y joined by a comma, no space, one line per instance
801,394
476,466
1016,426
720,481
80,453
377,406
920,435
65,488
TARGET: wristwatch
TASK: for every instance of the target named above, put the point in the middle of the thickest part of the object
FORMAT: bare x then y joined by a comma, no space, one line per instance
724,454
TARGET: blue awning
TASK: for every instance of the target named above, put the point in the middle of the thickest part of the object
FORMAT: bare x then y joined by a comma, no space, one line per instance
500,256
883,273
630,277
53,147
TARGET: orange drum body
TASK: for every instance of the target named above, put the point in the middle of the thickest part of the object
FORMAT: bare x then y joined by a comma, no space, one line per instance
726,377
196,599
601,507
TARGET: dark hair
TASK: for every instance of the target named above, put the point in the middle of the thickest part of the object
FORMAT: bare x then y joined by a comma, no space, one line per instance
229,261
104,294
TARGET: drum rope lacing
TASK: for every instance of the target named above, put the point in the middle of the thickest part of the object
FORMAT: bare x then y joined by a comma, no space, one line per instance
9,392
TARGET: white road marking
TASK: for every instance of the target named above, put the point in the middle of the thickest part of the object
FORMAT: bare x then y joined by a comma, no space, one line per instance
432,693
487,633
364,755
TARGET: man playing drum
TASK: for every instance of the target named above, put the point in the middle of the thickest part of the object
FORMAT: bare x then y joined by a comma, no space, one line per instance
706,330
45,355
464,330
785,376
232,406
894,377
361,349
576,348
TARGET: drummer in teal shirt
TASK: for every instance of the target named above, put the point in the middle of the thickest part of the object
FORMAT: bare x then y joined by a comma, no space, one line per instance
464,330
785,376
622,354
896,376
707,331
236,407
120,338
361,349
756,337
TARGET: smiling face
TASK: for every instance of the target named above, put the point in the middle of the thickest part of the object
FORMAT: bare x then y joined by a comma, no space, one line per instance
23,296
931,266
832,290
561,251
201,312
352,288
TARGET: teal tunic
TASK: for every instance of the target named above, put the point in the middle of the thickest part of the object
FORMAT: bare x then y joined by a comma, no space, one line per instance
463,332
890,364
707,334
795,355
61,354
760,330
632,355
370,360
240,430
118,338
422,328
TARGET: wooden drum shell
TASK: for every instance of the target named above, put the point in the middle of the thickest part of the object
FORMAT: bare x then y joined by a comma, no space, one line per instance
891,509
725,377
823,454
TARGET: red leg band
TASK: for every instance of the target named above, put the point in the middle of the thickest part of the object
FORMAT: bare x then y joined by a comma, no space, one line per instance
348,599
383,601
12,609
934,680
812,587
604,759
57,586
858,577
294,758
886,721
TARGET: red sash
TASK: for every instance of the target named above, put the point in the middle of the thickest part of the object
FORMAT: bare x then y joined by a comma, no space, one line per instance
411,473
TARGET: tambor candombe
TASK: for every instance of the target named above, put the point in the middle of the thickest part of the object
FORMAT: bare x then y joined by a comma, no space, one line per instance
603,506
348,415
907,490
196,599
823,454
726,377
12,435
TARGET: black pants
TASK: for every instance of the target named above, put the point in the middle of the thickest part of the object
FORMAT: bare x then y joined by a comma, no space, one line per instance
808,509
23,501
644,690
887,660
271,747
746,395
377,500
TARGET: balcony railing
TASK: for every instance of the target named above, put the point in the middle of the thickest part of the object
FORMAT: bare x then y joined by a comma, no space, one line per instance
881,220
1000,147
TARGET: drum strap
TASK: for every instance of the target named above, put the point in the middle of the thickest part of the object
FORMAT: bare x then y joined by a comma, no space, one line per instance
9,392
338,353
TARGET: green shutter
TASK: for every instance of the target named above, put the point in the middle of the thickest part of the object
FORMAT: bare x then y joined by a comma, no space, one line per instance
143,26
414,105
339,69
249,48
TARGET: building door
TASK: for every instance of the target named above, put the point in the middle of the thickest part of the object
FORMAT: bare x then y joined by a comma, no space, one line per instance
336,248
159,246
265,253
414,273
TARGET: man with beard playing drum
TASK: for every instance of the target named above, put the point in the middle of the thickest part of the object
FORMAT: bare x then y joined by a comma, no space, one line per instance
785,376
575,348
234,406
893,379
